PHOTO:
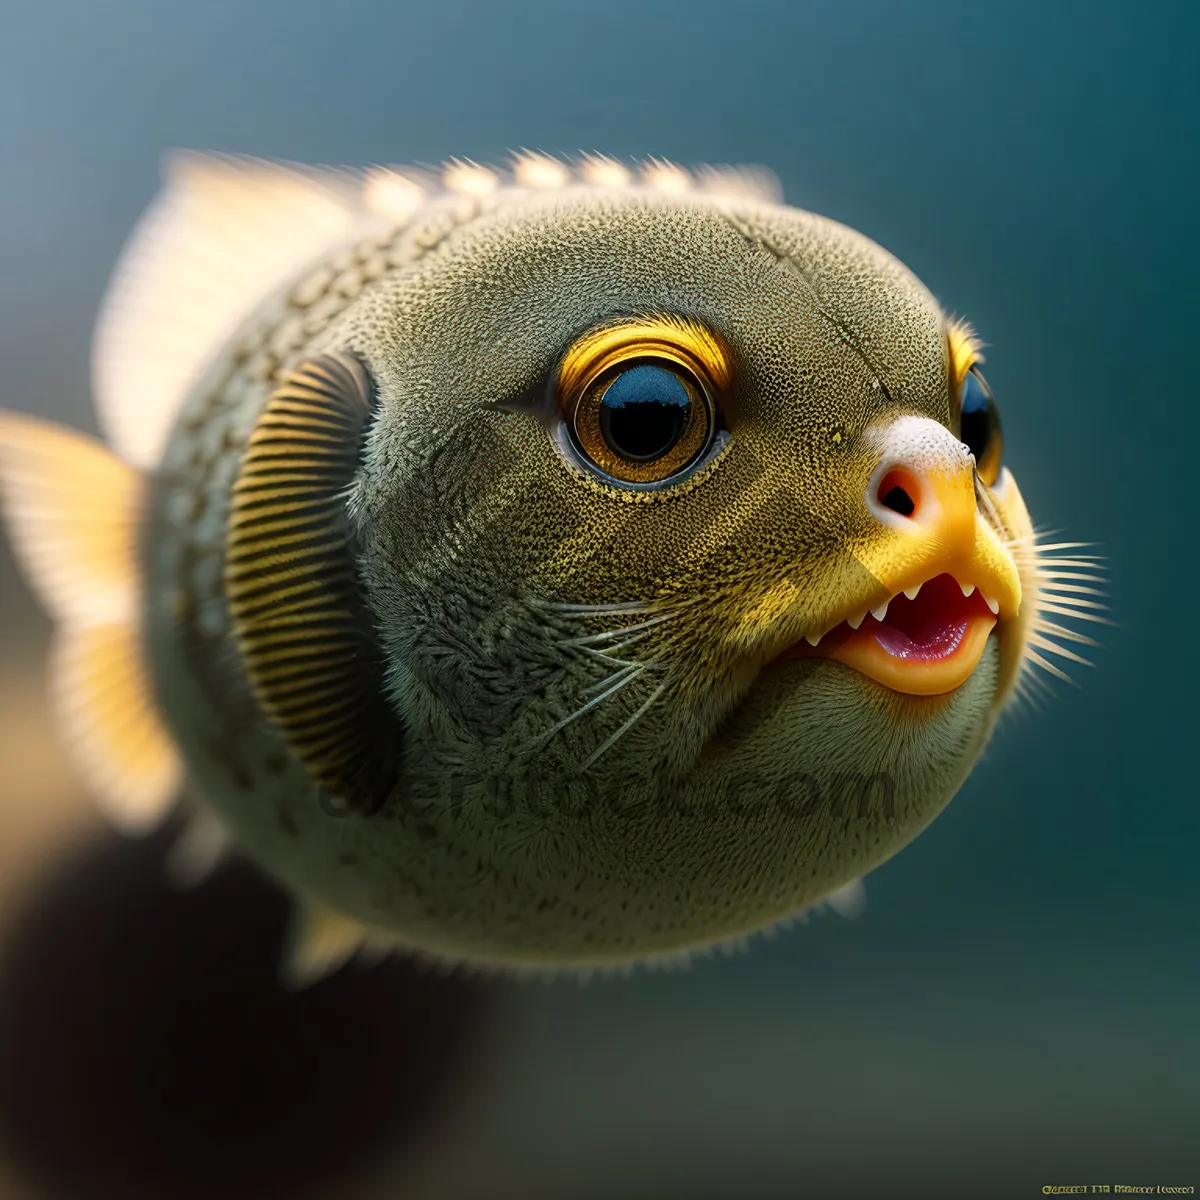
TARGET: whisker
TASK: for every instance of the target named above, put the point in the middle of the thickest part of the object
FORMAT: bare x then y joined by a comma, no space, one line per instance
609,741
611,634
611,660
609,679
1044,643
1054,595
1045,606
630,606
1043,626
616,687
1049,583
1033,689
1034,657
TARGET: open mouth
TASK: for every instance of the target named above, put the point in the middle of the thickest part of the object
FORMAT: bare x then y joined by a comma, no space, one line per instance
924,641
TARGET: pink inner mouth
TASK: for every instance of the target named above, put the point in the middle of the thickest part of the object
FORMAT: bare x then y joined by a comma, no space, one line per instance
932,625
925,646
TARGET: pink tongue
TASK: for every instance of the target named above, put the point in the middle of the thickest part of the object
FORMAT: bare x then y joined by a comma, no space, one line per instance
937,640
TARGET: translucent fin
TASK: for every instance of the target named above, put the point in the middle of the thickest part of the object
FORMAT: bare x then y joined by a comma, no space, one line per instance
103,700
199,850
221,236
321,941
848,901
72,511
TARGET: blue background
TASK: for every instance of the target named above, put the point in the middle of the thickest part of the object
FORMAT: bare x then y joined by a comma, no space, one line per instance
1018,1005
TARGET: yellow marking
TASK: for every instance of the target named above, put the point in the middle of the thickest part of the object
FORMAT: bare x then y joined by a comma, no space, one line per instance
686,343
774,605
964,350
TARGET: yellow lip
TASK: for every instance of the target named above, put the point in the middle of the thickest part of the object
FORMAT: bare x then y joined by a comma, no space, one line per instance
917,562
917,675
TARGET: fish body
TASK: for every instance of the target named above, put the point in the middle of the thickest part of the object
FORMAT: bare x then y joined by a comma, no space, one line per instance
505,559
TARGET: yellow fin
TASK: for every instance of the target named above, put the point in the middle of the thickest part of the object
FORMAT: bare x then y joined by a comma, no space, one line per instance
221,236
103,699
321,941
73,512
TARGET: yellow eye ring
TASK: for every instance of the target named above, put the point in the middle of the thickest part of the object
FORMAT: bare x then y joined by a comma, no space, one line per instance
640,398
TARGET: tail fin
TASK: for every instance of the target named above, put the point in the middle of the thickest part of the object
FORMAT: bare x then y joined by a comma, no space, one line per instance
72,512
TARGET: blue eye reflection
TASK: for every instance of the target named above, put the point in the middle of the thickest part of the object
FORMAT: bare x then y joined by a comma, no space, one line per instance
646,384
975,398
644,412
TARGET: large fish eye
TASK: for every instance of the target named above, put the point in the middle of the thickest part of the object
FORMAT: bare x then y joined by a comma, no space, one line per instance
981,425
644,423
640,399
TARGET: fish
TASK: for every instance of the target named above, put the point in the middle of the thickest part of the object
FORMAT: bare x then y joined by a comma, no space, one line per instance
552,567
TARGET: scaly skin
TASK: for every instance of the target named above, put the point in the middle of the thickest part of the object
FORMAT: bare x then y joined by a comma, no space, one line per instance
746,789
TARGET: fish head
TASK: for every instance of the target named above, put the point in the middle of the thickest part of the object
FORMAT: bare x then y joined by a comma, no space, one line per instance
662,441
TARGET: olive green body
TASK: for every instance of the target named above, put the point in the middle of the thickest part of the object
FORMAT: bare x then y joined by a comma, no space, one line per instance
739,790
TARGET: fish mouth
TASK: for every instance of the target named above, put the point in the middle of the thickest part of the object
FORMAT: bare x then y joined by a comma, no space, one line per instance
924,640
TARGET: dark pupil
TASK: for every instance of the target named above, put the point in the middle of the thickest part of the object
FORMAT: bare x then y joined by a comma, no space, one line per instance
978,415
644,413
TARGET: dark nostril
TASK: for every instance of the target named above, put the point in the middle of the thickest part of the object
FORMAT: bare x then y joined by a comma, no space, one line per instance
898,491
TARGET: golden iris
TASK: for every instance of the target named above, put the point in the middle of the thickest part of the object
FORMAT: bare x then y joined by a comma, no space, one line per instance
640,397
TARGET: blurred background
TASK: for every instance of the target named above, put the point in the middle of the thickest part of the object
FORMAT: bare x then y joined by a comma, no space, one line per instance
1017,1007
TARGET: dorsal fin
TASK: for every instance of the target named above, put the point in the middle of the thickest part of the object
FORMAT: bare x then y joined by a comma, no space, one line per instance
306,636
222,234
73,511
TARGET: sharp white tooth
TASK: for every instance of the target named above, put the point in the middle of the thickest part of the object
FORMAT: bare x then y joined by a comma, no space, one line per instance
994,605
880,612
812,638
911,592
967,588
855,622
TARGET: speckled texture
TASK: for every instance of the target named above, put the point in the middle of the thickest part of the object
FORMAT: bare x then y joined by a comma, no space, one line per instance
743,792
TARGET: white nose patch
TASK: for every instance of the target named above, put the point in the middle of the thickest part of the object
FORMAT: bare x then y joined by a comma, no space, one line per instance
920,452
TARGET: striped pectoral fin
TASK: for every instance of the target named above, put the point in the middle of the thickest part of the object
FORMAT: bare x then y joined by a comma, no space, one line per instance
305,633
72,510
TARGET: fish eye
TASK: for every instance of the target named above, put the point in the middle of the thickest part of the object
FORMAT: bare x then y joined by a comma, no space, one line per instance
643,423
981,425
640,400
